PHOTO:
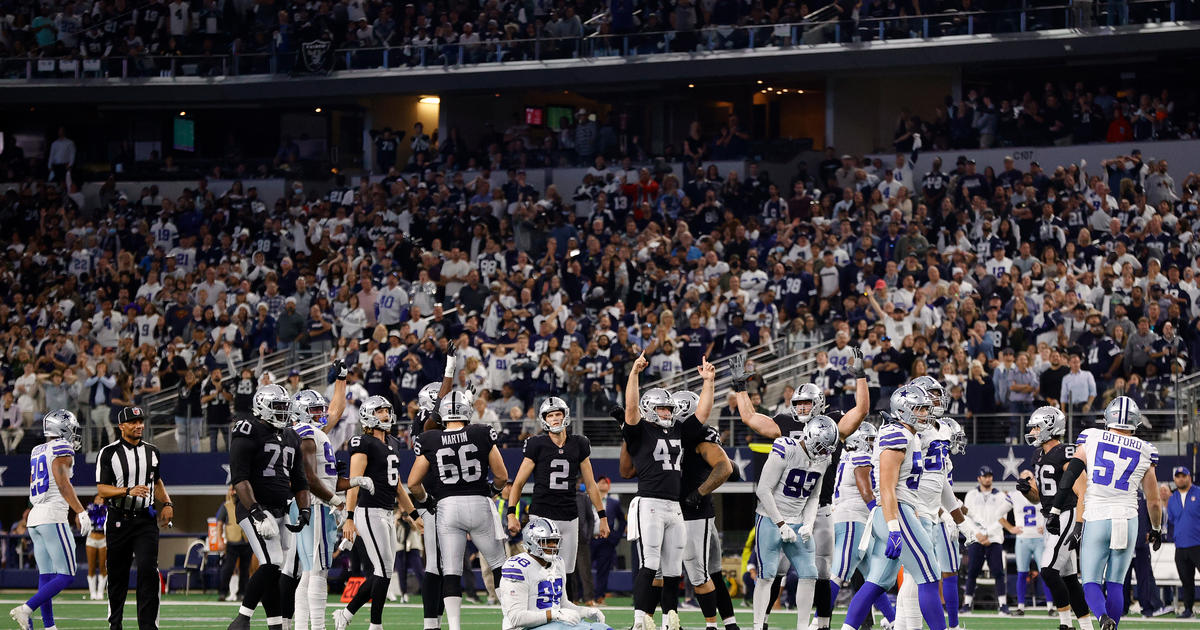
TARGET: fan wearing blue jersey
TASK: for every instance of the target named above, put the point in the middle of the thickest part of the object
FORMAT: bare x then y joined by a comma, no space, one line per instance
899,538
788,492
51,494
1108,467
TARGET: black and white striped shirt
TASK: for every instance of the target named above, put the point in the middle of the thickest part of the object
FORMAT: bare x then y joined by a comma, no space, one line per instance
124,465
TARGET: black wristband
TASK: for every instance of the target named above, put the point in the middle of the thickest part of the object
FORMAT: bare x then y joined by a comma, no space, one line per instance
127,491
600,513
511,510
349,515
414,515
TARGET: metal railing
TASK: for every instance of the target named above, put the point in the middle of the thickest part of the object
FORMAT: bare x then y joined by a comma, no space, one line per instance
823,27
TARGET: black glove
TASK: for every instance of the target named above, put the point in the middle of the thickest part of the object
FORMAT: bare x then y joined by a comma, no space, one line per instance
1074,536
692,501
885,417
1052,525
1154,537
618,414
338,371
257,513
305,515
1023,485
855,368
429,505
737,372
450,350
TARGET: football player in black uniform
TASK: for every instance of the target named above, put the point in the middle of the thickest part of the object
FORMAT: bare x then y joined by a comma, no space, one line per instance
656,444
704,467
427,420
806,403
375,469
265,470
555,459
461,455
1047,428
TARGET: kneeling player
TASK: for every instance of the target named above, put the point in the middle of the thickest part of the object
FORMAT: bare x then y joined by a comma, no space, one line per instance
531,586
787,499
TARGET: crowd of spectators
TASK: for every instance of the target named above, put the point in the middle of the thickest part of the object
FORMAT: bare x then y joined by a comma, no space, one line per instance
1061,115
447,32
1066,286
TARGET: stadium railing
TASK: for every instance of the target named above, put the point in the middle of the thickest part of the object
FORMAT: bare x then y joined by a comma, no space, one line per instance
818,28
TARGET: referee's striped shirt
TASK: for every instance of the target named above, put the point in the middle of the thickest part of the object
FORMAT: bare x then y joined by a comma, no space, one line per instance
124,465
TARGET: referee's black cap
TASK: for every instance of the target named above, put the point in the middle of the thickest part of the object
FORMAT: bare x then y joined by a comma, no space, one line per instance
130,414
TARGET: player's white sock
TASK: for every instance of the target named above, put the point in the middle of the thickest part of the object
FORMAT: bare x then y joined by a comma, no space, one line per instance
730,621
454,611
1087,623
245,612
375,626
804,601
1002,600
968,599
822,622
762,598
1065,618
318,599
300,616
908,608
1020,606
638,616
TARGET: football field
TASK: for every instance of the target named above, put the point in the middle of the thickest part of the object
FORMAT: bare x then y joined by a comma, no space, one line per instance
72,612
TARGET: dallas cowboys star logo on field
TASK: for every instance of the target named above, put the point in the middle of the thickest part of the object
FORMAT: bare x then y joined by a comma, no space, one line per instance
1011,465
228,477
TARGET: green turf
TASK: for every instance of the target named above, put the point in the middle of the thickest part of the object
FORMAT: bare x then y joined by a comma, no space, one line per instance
73,612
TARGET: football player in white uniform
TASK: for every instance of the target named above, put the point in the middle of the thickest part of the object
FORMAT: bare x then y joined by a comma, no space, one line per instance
788,496
1116,464
531,588
315,543
53,497
899,537
853,500
1027,526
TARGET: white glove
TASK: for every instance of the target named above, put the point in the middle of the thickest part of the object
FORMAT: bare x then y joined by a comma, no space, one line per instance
366,483
787,534
339,518
267,527
85,524
569,617
592,613
917,141
337,502
806,532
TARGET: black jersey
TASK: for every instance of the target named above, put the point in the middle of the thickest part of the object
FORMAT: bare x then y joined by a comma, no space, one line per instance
657,454
555,469
829,479
269,459
789,426
695,468
459,458
383,468
1048,468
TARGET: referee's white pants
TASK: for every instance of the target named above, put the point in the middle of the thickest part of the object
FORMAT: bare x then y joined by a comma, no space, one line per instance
476,515
378,531
274,550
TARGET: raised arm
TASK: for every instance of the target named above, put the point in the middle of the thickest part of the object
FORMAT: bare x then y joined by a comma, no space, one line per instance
709,374
337,405
862,398
632,390
757,422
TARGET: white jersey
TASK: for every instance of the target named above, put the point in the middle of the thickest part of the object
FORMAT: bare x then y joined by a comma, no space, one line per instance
848,502
935,471
528,589
1026,515
388,305
49,506
896,437
841,358
147,329
1115,466
326,464
792,478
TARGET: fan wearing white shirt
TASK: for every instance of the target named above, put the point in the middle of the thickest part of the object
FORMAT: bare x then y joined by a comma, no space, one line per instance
165,233
999,263
390,301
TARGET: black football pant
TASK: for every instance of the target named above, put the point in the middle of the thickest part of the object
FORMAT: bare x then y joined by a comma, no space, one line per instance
129,537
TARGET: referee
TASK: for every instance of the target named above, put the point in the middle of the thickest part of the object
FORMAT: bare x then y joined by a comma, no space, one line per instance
127,472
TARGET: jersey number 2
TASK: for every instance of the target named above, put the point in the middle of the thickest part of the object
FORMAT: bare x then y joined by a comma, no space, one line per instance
559,469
